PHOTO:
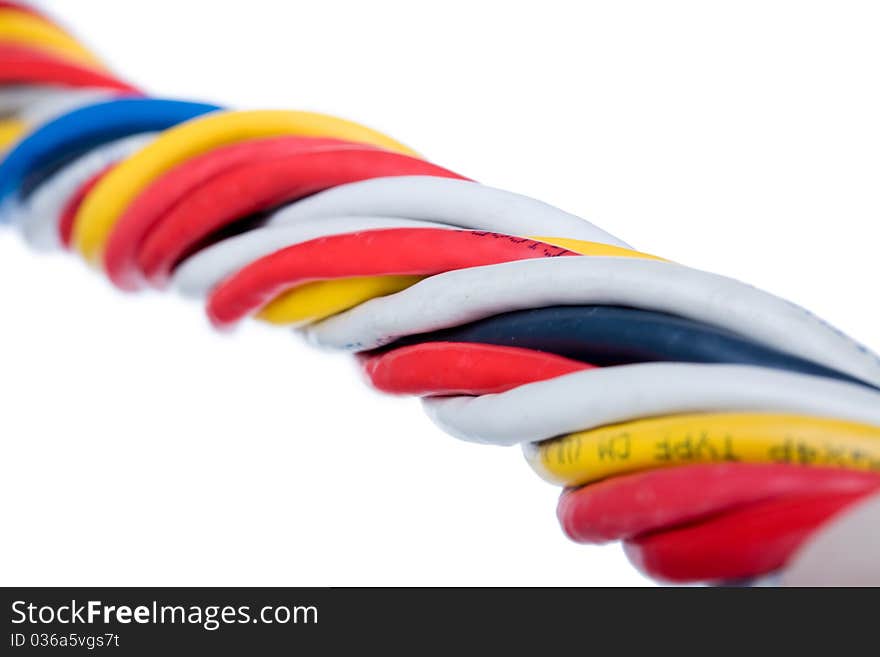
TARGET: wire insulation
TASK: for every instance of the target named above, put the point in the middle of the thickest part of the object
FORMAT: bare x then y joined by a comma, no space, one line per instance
609,335
586,456
447,368
393,251
103,208
743,543
631,505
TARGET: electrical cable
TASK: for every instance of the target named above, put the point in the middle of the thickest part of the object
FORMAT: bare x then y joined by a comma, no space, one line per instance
257,187
631,505
610,395
447,201
662,442
448,368
200,273
683,404
609,335
71,207
396,251
20,64
151,243
103,208
38,217
18,6
85,128
743,543
466,295
10,131
18,99
22,28
312,302
151,206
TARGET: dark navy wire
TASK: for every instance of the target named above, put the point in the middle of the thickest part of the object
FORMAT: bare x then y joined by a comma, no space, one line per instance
611,335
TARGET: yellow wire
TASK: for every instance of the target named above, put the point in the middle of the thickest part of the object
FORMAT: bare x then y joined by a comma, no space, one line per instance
104,205
24,29
586,456
596,248
10,131
315,301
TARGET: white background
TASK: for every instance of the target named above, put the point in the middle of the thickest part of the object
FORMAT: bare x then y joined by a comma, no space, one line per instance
138,447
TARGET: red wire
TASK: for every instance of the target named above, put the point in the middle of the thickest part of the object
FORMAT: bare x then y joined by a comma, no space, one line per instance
25,9
256,187
68,214
157,200
405,251
455,368
630,505
747,542
20,64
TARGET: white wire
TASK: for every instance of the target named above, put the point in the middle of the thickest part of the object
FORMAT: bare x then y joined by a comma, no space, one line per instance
38,216
56,105
467,295
597,397
447,200
842,552
200,273
16,99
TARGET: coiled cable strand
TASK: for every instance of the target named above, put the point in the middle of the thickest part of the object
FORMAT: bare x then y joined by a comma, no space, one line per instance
709,425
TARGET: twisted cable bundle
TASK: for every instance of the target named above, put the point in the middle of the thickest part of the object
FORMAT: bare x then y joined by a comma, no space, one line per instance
709,425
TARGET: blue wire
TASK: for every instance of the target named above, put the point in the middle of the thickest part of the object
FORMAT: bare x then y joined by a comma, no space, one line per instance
58,141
